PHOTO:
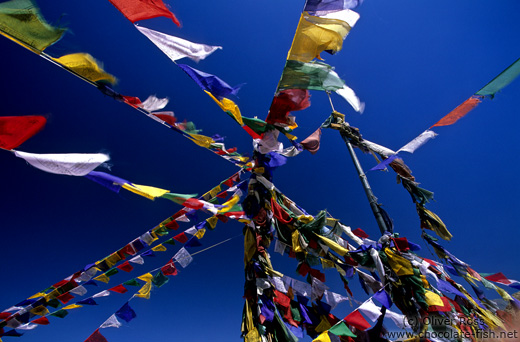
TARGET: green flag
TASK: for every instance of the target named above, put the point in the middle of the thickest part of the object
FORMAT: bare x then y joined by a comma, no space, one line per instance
21,21
502,80
313,76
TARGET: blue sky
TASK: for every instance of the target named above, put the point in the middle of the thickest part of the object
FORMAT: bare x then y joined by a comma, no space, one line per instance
410,62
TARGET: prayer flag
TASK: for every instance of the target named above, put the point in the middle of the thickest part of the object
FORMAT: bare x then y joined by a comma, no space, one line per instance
119,289
15,130
459,112
418,141
341,329
86,66
42,321
96,337
502,80
136,10
356,320
126,313
111,322
72,164
153,103
229,107
209,82
285,102
183,257
176,48
21,21
149,192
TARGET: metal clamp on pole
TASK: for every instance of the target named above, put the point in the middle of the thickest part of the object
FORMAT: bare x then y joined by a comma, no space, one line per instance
351,135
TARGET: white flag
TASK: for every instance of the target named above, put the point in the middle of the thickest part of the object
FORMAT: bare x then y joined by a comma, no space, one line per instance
111,322
183,257
153,103
176,48
72,164
418,142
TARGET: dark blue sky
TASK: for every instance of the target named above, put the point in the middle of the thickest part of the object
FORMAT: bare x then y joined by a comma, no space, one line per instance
410,62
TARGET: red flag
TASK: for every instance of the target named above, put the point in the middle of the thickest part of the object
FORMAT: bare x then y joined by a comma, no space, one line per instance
119,289
285,102
356,320
312,142
182,238
135,10
14,130
166,117
96,337
125,267
169,269
132,101
65,298
172,225
360,233
193,203
498,278
42,321
461,110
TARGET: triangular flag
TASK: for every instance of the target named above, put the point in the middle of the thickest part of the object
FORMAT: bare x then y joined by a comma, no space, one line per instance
209,82
126,313
176,48
96,337
72,164
356,320
14,130
111,322
136,10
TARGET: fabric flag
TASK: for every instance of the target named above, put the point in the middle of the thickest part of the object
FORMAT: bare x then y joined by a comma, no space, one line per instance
384,163
311,39
183,257
327,6
460,111
86,66
209,82
383,297
371,310
72,164
136,10
15,130
312,142
107,180
502,80
168,117
111,322
356,320
341,329
153,103
149,192
126,313
418,142
21,21
176,48
229,107
285,102
317,76
96,337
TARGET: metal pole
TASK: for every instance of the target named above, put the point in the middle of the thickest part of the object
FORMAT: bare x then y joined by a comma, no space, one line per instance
340,125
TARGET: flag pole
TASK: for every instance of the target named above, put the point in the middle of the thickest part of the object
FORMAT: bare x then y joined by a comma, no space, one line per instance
347,133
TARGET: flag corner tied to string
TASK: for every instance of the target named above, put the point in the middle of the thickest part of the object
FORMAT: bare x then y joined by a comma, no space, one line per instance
136,10
21,21
15,130
176,48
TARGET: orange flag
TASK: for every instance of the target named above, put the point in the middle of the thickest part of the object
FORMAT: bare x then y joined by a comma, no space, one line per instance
463,109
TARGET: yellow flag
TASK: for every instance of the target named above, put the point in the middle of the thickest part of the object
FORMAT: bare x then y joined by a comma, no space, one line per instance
400,265
146,277
310,40
85,65
201,140
200,233
323,326
72,306
212,221
295,237
229,204
144,292
324,337
249,246
327,263
213,192
102,277
112,259
253,336
40,310
159,248
38,295
146,191
334,245
228,106
432,298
